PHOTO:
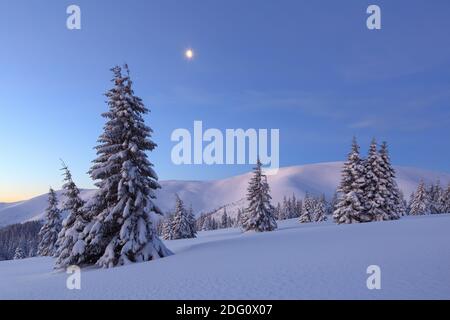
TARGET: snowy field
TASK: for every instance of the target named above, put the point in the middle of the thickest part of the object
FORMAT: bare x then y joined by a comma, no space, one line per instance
314,261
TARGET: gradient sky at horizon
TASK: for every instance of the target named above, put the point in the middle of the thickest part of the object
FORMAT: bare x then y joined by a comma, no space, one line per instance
310,68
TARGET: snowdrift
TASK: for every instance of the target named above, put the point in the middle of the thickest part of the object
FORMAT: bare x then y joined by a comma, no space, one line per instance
312,261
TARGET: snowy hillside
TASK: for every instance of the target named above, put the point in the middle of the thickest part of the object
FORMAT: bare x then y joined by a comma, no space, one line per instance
313,261
315,178
29,210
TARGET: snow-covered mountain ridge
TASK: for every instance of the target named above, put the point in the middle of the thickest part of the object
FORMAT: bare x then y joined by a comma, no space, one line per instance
208,196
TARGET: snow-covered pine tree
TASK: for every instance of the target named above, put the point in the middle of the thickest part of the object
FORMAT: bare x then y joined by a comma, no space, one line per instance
402,208
333,204
291,207
32,252
224,219
167,227
159,226
213,223
238,219
430,193
277,212
419,204
307,215
445,202
181,227
70,246
393,202
259,214
435,197
206,223
411,200
375,188
298,208
192,222
200,221
441,202
19,254
122,231
320,210
282,213
287,208
350,205
23,235
231,222
48,235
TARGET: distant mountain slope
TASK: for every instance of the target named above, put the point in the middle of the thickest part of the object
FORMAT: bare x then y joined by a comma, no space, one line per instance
208,196
29,210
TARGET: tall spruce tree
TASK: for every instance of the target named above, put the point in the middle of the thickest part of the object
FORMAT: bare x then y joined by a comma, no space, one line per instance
411,200
307,215
298,208
238,222
419,204
224,219
402,209
199,222
375,188
19,254
333,204
393,201
122,230
181,224
166,233
350,204
435,198
284,212
291,207
259,214
320,209
278,211
48,235
70,246
445,202
207,223
159,225
192,222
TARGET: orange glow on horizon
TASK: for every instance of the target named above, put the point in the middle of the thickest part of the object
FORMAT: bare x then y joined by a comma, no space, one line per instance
11,196
12,199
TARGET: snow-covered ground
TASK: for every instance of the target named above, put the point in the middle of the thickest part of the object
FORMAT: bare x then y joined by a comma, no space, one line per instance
311,261
315,178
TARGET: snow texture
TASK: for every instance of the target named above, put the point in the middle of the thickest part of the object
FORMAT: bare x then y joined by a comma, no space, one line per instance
297,261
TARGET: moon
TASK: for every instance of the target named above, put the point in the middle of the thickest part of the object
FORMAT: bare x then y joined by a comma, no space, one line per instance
189,54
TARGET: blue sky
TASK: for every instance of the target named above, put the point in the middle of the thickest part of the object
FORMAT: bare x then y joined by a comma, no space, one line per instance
309,68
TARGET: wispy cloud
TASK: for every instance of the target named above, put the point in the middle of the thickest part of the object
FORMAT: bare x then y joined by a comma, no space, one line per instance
401,110
363,124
